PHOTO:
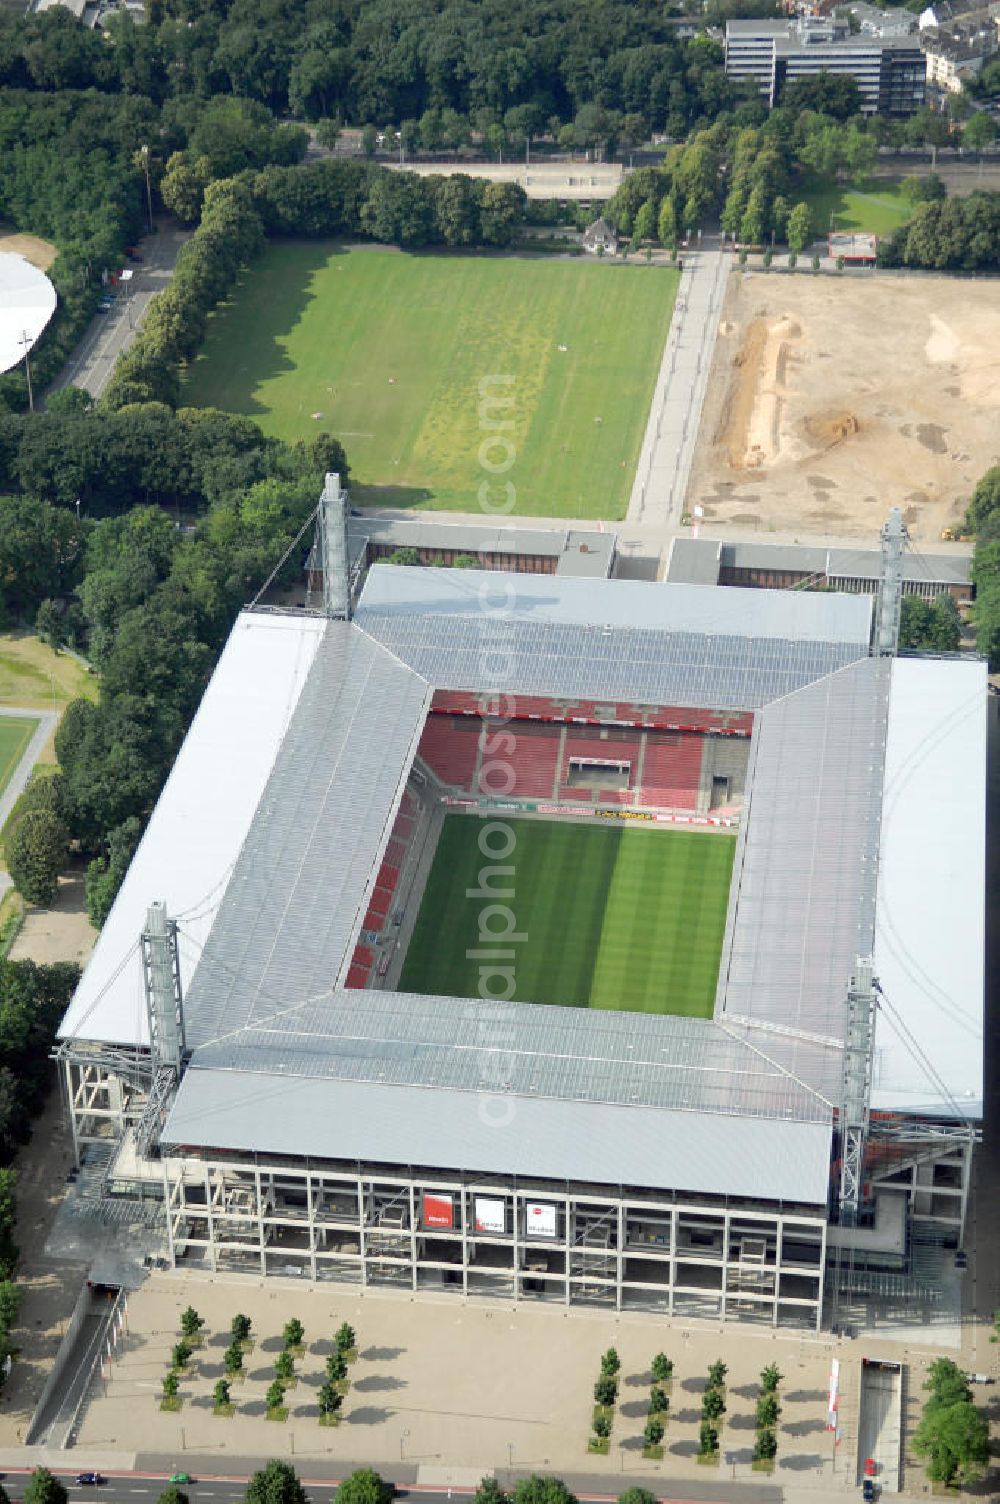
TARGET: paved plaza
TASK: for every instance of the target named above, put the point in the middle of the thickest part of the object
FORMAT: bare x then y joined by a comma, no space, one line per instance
442,1384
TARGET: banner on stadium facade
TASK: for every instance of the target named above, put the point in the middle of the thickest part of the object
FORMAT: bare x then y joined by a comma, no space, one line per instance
623,814
490,1215
565,809
833,1400
438,1210
539,1219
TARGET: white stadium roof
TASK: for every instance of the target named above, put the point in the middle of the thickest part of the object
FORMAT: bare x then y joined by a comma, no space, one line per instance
27,302
930,914
863,828
201,820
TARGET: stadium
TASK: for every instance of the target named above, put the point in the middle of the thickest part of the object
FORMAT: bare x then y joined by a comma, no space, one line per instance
531,937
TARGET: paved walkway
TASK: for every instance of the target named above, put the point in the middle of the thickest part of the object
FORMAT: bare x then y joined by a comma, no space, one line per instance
661,476
47,722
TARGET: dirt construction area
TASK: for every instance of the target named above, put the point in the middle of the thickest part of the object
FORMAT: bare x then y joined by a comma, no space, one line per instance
833,398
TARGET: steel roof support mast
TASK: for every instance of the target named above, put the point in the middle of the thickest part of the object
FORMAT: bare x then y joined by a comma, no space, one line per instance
333,550
857,1086
165,1011
890,594
161,974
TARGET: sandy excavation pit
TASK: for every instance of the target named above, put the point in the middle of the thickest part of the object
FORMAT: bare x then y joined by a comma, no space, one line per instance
832,399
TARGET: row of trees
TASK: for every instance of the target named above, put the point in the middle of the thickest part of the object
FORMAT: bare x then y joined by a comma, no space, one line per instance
331,1393
317,199
765,1441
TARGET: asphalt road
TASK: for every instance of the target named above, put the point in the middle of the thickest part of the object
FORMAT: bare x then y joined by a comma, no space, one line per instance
230,1488
91,363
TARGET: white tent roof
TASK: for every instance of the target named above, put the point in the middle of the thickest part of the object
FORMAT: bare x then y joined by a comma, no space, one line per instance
27,302
200,822
930,921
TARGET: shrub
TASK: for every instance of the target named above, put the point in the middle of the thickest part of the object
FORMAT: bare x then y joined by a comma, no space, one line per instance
606,1390
658,1401
770,1378
602,1426
717,1374
345,1338
610,1362
653,1433
662,1368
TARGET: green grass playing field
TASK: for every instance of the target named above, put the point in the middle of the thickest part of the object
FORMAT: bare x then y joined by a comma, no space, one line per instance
15,734
390,351
614,918
875,208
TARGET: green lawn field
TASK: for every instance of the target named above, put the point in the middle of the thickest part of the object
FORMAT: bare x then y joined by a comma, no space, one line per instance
15,734
876,207
614,917
390,352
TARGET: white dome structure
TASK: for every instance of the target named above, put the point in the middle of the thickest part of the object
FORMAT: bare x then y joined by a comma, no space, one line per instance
27,302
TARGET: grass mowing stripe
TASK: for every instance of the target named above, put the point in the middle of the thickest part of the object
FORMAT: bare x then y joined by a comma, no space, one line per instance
614,918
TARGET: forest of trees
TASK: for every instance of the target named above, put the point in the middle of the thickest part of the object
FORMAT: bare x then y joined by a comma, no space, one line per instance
385,61
150,602
955,234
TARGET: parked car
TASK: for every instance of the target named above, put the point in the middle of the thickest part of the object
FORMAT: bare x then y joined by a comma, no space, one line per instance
961,1259
868,1488
89,1480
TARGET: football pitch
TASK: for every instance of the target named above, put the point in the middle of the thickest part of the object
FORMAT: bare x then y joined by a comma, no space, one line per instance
612,917
15,734
405,358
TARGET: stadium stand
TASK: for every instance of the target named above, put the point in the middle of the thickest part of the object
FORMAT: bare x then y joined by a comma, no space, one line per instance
648,768
591,712
534,760
450,748
365,957
671,771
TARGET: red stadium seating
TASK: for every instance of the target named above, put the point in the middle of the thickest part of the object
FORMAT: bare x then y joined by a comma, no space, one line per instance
534,760
671,770
450,748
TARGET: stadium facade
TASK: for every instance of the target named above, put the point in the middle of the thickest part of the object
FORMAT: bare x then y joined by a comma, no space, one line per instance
236,1058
